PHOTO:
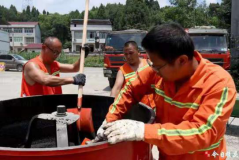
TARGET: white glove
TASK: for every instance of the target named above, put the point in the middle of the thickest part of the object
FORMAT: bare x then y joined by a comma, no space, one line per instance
124,130
100,133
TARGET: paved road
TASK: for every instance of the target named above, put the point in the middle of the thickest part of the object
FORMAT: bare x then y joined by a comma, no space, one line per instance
97,84
10,83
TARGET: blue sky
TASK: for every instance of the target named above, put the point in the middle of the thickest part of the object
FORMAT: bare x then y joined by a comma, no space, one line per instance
65,6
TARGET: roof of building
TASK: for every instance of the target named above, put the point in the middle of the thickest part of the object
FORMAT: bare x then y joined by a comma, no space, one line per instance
92,21
23,23
34,46
207,31
129,31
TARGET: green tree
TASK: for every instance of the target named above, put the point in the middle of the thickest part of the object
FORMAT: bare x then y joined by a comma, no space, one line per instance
28,11
75,14
136,15
225,15
67,45
55,25
101,12
12,13
214,9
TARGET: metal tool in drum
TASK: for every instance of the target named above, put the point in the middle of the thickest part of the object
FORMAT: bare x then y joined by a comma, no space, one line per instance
63,119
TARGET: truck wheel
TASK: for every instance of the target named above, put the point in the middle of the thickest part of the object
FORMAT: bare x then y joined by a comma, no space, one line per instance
19,68
112,82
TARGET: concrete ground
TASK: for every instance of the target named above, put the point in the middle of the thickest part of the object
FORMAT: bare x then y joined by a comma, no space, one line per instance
97,84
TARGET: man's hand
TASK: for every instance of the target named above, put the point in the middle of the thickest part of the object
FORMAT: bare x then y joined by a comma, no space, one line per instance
124,130
79,79
100,133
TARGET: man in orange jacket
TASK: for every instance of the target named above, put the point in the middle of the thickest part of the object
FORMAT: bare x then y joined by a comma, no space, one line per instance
130,69
194,99
41,75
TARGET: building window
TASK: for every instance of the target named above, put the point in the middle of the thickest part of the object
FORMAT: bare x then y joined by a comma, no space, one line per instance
91,35
102,35
28,30
17,39
10,39
9,30
78,48
17,30
74,25
78,34
29,40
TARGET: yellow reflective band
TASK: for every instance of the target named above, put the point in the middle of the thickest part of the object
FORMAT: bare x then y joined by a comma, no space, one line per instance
55,73
120,95
202,129
175,103
143,68
213,146
124,90
129,75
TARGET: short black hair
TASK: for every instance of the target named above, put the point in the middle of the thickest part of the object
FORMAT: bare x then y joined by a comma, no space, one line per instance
133,43
169,41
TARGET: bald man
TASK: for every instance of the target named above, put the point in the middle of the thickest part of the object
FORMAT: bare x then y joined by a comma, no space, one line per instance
41,75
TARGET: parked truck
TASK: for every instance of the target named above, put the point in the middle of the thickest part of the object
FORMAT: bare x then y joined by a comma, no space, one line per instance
211,42
113,53
4,42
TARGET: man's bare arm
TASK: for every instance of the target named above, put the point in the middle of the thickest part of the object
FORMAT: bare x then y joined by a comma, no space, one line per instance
67,68
118,84
34,74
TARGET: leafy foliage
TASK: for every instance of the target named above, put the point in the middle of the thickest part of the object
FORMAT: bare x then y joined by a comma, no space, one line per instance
137,14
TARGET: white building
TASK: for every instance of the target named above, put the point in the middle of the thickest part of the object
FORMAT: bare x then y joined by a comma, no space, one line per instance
22,34
94,27
4,42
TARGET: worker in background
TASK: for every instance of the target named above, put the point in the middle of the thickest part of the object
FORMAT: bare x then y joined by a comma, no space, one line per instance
130,69
41,75
194,99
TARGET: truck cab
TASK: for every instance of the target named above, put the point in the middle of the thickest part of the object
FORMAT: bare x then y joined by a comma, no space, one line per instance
212,43
113,53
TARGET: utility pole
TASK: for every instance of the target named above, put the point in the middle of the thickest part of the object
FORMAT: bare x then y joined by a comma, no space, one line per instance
234,31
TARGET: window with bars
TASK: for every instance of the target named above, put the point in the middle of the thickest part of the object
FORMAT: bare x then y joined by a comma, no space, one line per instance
17,30
28,30
17,39
29,40
9,30
91,35
102,35
77,35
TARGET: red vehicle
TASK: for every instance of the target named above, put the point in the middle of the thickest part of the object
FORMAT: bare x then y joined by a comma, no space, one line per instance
212,43
113,54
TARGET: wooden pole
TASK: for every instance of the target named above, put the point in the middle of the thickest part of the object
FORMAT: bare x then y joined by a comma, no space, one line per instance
82,59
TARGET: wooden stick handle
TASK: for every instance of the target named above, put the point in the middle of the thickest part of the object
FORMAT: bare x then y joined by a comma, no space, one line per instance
82,59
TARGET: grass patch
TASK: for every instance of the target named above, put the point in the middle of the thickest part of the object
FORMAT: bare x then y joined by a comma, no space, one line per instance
27,55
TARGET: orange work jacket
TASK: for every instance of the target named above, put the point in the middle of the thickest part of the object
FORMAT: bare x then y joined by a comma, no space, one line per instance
38,89
129,73
190,123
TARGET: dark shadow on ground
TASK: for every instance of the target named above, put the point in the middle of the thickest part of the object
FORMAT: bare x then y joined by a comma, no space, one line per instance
107,88
232,130
12,70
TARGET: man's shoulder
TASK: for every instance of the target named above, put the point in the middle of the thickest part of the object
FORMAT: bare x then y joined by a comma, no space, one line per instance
56,64
217,74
